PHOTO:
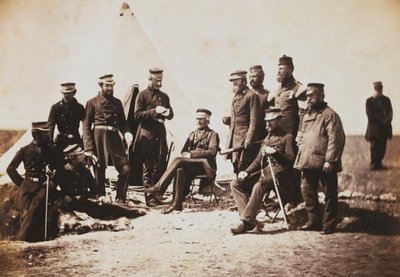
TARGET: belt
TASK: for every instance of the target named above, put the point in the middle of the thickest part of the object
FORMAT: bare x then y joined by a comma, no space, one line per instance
108,128
65,135
35,179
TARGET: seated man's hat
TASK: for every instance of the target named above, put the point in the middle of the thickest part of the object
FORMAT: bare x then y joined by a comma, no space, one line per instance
272,113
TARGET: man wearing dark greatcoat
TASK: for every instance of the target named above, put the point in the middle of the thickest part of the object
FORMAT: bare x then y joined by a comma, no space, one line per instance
379,130
151,110
104,121
66,115
256,78
36,157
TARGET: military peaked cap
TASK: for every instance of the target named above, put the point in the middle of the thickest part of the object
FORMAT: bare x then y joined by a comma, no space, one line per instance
68,87
72,150
272,113
40,126
107,79
203,113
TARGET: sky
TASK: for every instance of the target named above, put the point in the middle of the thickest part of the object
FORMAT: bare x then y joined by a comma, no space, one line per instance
344,44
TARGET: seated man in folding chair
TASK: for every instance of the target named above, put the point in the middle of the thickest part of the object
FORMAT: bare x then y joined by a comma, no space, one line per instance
278,146
197,158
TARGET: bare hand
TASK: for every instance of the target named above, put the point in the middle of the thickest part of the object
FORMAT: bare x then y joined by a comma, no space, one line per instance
185,154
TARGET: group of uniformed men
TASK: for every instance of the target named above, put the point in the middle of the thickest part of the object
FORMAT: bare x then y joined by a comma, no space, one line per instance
293,129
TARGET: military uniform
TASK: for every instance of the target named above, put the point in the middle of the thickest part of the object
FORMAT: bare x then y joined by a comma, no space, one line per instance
79,185
107,116
67,117
203,146
322,141
264,104
286,98
262,94
151,138
32,188
281,161
379,129
243,127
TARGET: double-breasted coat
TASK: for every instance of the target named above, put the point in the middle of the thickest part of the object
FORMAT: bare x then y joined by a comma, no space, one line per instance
151,138
286,98
105,112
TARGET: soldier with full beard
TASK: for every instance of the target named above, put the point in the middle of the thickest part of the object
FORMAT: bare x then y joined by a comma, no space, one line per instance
290,97
243,122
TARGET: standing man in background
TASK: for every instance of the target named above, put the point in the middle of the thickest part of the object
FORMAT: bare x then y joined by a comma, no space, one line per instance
256,77
379,130
151,110
106,115
243,122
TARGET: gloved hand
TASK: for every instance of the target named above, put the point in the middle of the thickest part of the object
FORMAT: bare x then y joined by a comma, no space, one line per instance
185,154
267,150
166,113
299,138
49,172
160,109
91,158
328,167
128,138
242,175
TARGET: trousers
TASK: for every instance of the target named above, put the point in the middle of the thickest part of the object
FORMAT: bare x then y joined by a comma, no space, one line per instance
309,188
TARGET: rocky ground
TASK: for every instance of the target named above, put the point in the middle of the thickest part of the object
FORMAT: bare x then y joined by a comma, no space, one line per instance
198,242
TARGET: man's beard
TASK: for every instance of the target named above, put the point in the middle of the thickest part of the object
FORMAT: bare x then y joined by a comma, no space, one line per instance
256,85
281,78
108,93
237,88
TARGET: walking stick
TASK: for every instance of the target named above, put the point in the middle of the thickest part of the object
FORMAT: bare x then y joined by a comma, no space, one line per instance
277,192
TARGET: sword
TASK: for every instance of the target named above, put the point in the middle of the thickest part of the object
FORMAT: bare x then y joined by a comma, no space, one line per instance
276,184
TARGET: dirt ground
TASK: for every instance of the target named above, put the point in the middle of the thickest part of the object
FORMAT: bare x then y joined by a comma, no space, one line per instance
198,242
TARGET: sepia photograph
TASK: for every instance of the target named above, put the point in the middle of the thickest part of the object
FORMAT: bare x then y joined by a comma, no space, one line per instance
199,138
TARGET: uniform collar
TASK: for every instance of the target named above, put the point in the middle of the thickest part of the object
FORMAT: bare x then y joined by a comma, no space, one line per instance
71,102
154,91
103,99
206,129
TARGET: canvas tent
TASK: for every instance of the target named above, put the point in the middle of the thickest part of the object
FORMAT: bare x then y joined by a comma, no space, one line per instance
88,48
